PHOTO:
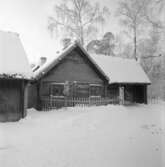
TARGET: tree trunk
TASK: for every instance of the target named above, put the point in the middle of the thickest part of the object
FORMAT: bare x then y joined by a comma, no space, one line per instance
81,36
135,44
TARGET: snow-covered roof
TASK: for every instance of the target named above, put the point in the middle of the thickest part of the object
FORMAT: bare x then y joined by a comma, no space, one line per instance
13,59
120,70
59,56
114,69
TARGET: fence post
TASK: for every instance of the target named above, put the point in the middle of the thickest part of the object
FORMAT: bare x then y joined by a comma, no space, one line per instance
121,95
65,101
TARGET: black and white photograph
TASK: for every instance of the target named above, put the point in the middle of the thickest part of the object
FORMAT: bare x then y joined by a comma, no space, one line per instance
82,83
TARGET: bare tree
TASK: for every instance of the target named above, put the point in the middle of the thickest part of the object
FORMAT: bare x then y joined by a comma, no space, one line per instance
148,50
155,12
77,18
132,16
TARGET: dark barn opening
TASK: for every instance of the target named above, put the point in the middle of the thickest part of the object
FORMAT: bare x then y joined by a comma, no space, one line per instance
135,93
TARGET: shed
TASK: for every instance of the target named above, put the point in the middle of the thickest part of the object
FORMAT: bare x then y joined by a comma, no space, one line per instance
14,75
126,75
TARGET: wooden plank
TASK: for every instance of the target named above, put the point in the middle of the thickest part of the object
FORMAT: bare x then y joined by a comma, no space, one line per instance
121,95
145,94
25,99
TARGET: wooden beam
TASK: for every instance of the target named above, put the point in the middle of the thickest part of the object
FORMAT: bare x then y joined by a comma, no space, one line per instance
145,94
25,98
38,96
105,89
22,99
121,95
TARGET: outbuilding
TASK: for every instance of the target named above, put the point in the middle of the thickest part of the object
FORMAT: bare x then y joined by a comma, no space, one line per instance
15,73
128,81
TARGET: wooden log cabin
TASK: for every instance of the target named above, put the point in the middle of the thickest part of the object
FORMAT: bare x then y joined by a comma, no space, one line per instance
74,73
14,76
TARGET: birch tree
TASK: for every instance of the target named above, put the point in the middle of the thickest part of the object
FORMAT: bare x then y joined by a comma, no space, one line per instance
77,19
132,16
155,14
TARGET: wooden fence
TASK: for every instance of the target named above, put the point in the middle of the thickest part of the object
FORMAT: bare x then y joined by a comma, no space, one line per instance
153,100
54,103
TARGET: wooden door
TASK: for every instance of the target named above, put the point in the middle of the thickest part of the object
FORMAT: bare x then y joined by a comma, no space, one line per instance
9,101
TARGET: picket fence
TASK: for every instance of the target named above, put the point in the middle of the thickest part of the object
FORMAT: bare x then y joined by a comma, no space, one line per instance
54,103
154,100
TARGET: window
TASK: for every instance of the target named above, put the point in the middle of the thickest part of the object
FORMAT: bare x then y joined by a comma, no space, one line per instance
57,89
95,90
82,90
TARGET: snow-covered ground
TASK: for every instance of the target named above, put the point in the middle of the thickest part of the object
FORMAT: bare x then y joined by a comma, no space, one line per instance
107,136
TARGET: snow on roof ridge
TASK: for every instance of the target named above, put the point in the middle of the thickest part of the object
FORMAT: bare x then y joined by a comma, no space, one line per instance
113,57
47,66
10,32
116,69
57,57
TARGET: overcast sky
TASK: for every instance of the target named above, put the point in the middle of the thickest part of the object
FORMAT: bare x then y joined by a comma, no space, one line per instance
29,19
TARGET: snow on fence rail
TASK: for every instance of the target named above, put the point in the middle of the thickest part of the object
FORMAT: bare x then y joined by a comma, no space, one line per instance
53,103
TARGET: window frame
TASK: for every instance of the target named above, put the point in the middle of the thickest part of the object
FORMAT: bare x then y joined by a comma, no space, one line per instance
95,85
82,86
56,83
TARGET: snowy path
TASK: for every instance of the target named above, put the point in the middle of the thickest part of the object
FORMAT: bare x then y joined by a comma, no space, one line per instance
105,136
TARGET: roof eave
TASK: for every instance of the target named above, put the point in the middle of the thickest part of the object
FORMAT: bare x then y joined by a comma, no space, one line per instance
130,83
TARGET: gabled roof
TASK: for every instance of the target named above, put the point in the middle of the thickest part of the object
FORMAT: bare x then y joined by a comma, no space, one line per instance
13,60
61,55
120,70
114,69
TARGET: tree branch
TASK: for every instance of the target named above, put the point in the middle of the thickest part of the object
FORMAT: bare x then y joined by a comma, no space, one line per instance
151,57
